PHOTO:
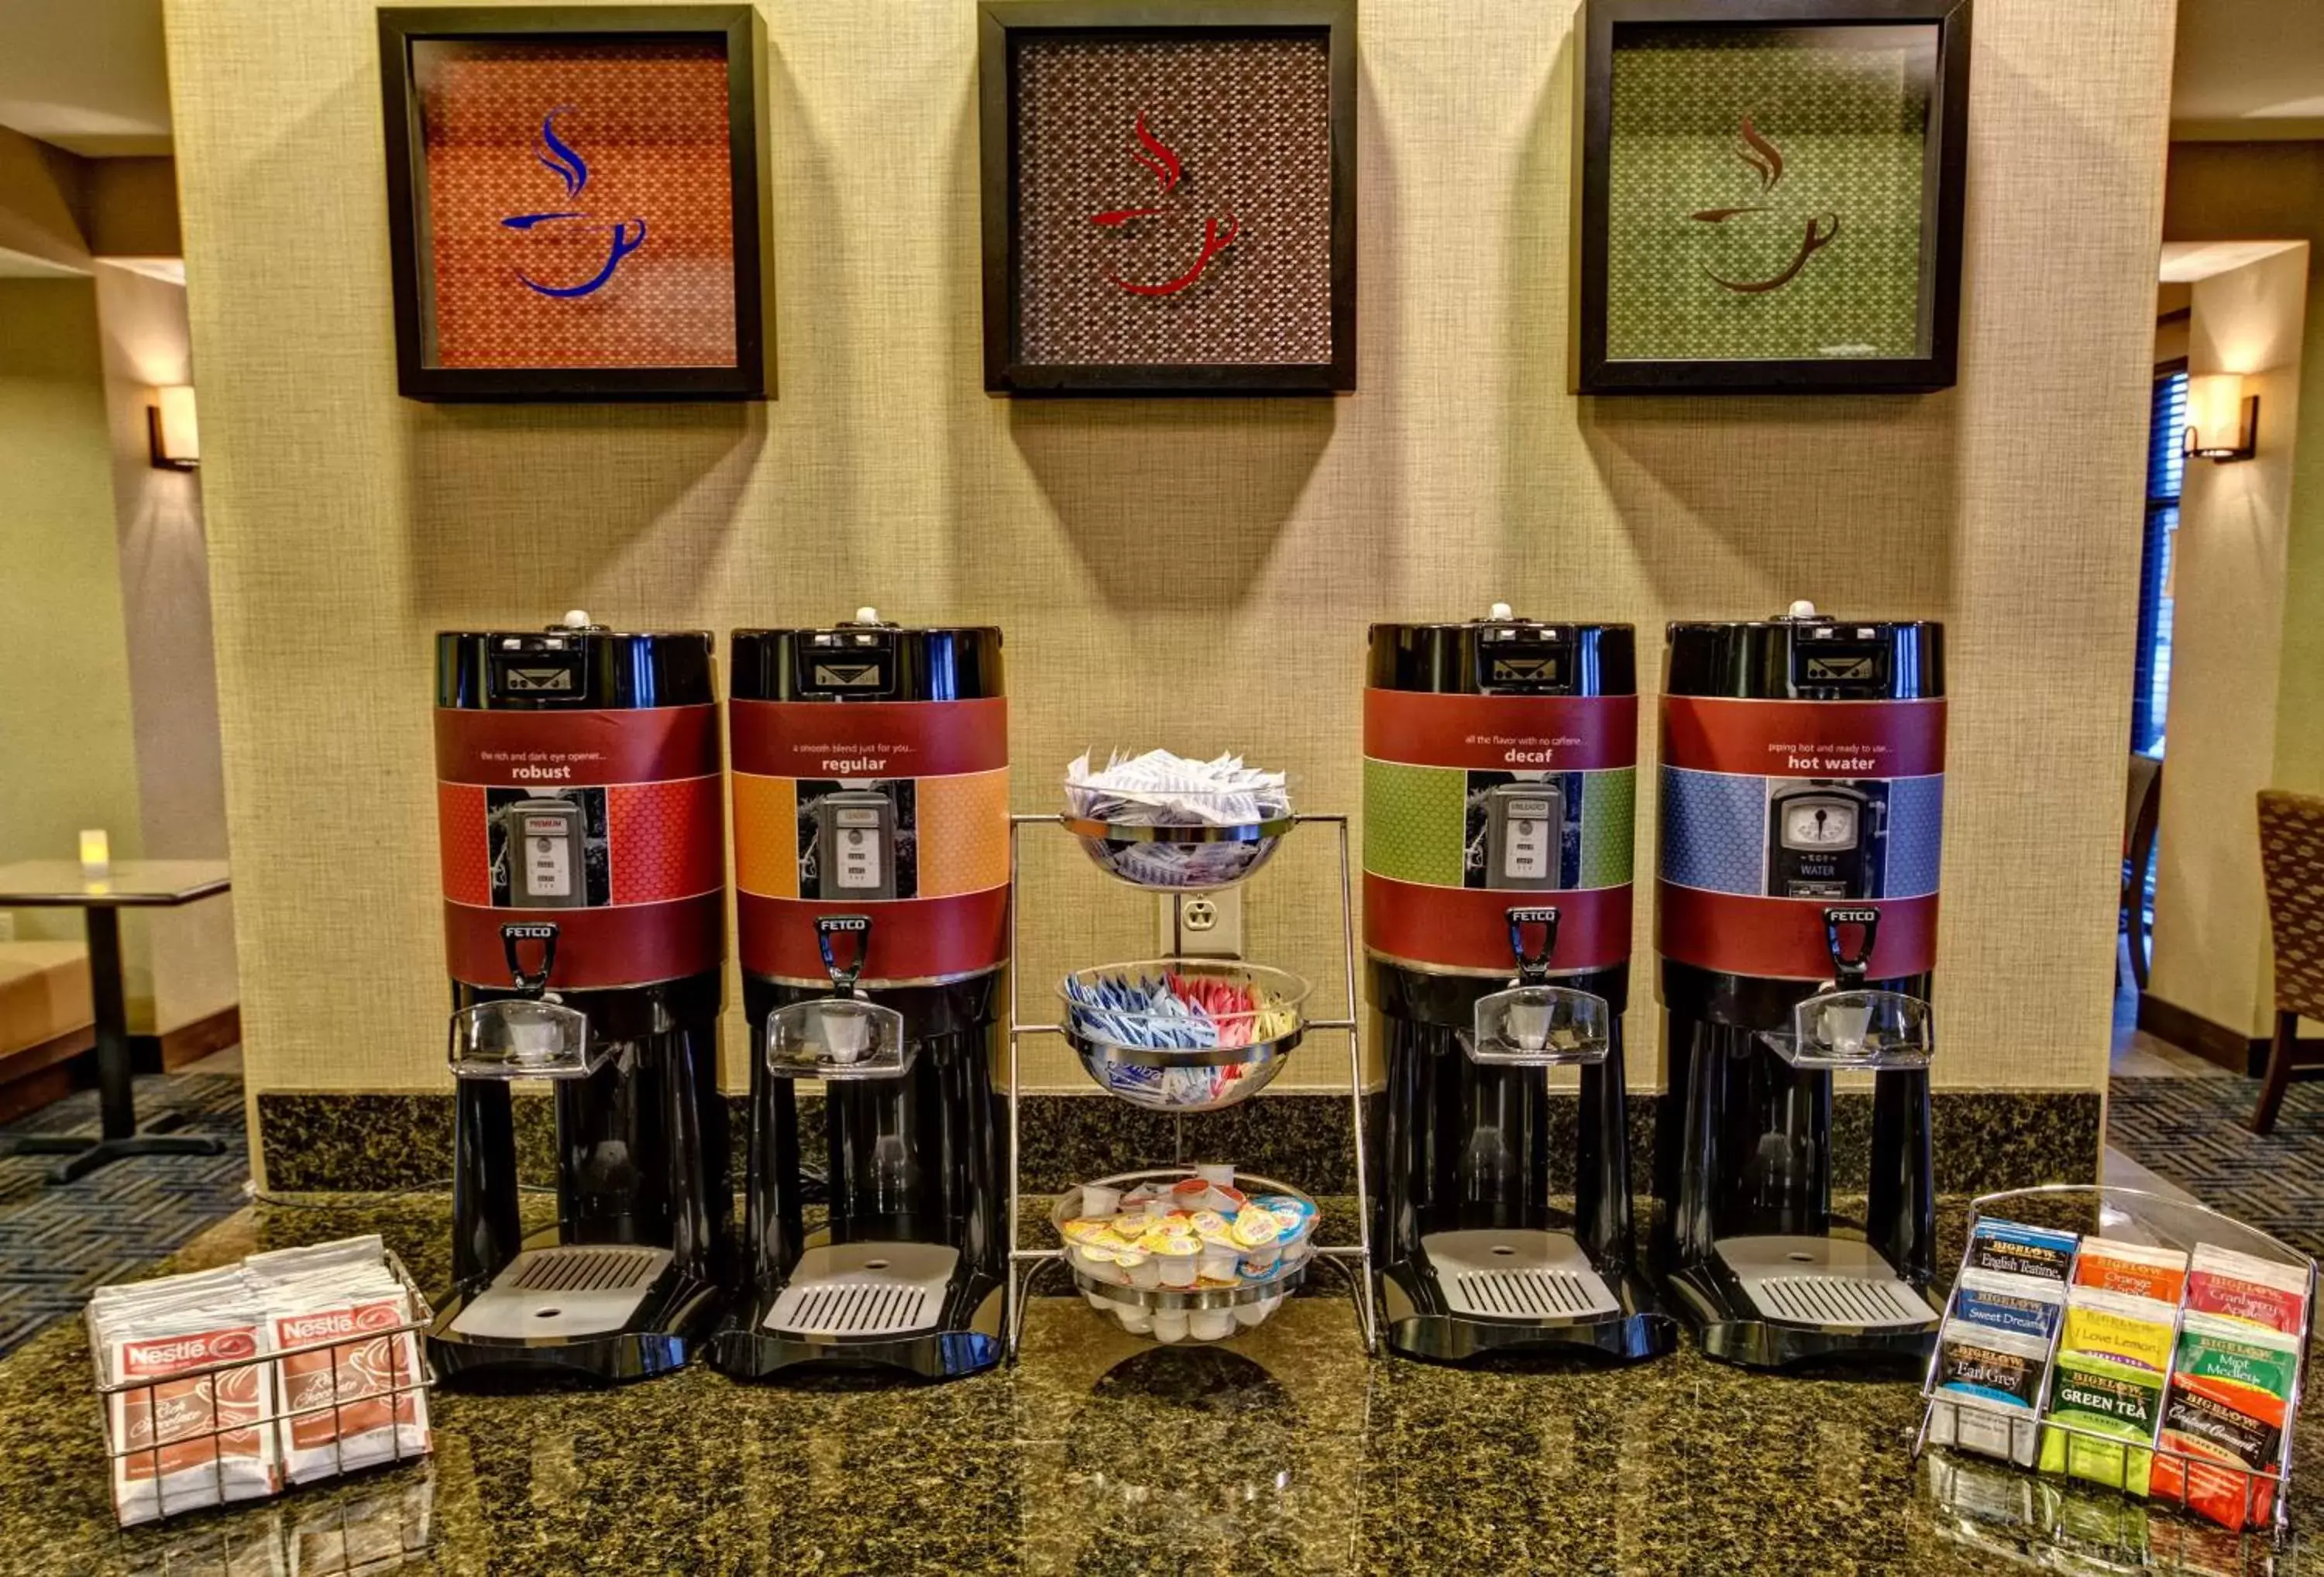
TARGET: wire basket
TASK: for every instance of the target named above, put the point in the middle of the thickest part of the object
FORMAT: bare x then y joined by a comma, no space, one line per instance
2237,1497
217,1418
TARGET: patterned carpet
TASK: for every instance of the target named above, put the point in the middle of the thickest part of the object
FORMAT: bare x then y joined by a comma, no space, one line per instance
2191,1132
57,1244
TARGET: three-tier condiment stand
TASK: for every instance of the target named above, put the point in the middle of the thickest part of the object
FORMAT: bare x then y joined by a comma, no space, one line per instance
1353,1259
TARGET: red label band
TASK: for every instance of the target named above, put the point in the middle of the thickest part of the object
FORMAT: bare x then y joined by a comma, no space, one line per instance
1460,928
1783,938
1804,739
923,938
873,739
1563,733
572,750
597,949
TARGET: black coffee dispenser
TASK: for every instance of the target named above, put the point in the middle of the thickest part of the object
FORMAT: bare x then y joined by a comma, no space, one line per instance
584,921
1499,786
871,790
1803,792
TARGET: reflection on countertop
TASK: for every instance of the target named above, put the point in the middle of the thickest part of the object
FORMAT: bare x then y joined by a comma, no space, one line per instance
1283,1450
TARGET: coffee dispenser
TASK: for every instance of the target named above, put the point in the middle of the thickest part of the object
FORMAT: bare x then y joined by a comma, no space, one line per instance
1499,783
1803,793
578,814
870,790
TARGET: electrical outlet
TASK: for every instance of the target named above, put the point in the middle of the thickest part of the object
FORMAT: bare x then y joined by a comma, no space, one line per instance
1202,925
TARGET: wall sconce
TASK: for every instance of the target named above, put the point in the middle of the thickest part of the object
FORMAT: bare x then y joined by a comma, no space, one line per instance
2222,421
170,434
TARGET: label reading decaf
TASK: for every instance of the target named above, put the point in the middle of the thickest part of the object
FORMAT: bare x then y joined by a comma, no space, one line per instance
2021,1250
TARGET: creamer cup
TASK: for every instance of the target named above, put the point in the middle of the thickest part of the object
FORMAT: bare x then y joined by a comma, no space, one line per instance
1169,1325
1216,1172
1210,1227
1256,1228
1191,1194
1143,1269
1210,1324
1100,1201
1136,1321
1218,1262
1098,1302
1251,1314
1179,1260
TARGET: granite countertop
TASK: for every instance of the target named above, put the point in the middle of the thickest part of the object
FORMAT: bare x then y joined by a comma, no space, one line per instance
1284,1450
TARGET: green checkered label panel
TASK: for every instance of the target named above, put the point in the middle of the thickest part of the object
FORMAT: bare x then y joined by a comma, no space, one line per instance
1415,820
1608,806
1765,194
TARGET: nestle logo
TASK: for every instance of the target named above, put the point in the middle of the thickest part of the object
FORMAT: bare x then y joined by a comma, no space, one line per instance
306,1328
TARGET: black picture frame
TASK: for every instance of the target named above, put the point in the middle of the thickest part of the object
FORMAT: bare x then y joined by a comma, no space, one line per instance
1944,156
744,40
1005,24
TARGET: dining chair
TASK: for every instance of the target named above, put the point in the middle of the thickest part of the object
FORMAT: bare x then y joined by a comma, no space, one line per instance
2292,860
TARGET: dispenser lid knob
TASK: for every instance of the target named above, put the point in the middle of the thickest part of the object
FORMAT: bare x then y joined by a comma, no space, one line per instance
577,619
1501,611
867,615
1802,609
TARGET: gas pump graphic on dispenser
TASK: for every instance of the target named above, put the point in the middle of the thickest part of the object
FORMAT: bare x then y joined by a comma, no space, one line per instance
871,790
1499,769
1795,915
585,889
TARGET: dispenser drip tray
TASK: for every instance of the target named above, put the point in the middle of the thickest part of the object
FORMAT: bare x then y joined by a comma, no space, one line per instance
574,1289
865,1289
1823,1281
1534,1276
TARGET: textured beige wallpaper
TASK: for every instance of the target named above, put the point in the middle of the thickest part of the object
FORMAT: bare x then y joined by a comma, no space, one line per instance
1193,573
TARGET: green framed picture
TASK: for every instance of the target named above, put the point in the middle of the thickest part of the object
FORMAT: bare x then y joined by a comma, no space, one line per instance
1769,194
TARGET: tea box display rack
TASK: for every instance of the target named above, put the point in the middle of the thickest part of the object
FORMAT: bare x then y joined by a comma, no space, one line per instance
1978,1449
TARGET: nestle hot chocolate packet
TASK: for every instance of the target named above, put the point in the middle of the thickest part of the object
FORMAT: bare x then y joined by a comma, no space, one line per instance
199,1438
2021,1250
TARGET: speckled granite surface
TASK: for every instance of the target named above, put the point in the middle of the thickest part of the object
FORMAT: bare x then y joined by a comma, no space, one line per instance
1284,1450
1984,1139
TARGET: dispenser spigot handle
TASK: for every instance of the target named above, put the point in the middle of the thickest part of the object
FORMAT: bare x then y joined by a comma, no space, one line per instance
856,925
1849,968
1533,969
532,983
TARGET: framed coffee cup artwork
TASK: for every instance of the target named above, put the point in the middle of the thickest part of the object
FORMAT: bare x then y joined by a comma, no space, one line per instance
1768,195
578,201
1169,195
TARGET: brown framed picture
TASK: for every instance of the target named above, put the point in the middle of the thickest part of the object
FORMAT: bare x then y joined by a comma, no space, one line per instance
1768,195
577,201
1169,197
